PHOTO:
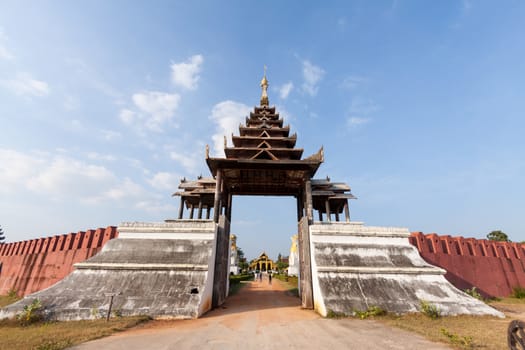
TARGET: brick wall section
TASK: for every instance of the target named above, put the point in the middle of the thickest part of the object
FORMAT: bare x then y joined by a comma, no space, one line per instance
36,264
494,268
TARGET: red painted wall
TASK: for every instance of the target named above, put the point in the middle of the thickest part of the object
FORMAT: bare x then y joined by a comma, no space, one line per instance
494,268
33,265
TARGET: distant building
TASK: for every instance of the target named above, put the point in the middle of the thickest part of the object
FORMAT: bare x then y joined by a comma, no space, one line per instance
262,263
293,260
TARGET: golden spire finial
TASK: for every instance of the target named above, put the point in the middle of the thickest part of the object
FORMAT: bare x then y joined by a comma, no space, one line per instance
264,85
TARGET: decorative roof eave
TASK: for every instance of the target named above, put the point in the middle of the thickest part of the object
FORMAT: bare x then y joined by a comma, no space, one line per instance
319,156
288,141
308,165
277,154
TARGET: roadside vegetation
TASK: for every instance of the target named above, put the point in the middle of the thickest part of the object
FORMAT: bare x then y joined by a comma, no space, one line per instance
41,335
291,282
10,298
459,332
235,282
29,331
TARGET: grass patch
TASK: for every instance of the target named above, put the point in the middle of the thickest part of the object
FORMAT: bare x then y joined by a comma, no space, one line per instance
290,282
10,298
235,282
335,314
518,292
430,310
460,332
293,280
372,311
60,335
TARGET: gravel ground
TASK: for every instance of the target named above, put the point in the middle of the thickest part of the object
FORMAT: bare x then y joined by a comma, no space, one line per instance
263,316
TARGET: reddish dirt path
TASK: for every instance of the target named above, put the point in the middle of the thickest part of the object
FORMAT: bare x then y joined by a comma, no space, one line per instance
263,316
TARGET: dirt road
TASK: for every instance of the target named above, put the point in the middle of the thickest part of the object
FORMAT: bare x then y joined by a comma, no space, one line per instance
263,316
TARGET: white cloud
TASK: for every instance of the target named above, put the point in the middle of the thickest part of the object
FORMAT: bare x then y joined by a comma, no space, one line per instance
65,177
25,85
5,54
360,111
70,103
92,77
76,125
355,121
363,106
285,90
226,115
190,162
98,156
110,135
352,82
186,74
156,207
165,181
312,74
159,106
124,189
127,116
62,178
16,169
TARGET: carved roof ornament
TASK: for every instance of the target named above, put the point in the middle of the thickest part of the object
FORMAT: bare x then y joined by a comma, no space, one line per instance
264,86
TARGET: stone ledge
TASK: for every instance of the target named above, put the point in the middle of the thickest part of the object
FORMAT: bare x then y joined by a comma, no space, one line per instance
196,234
171,226
383,270
125,266
357,229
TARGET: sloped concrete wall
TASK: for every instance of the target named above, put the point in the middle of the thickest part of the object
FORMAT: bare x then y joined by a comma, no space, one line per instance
155,269
494,268
355,267
33,265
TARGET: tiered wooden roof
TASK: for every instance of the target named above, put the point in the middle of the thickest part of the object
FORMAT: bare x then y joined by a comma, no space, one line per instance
263,160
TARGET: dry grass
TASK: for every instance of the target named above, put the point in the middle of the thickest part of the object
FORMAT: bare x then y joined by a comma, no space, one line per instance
461,332
8,299
59,335
464,332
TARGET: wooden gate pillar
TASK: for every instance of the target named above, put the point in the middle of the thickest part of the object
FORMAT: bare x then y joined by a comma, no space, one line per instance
308,200
218,194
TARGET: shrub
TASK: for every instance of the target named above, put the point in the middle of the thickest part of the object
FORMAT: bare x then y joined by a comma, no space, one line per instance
334,314
371,311
474,293
13,293
518,292
464,342
430,310
31,313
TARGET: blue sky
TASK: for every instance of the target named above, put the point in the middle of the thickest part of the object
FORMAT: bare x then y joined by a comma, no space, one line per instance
105,105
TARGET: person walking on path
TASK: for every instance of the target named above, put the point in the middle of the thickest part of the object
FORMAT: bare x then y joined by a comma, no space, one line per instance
270,277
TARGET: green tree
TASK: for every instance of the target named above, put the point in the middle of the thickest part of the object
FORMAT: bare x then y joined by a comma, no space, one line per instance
498,236
281,265
243,265
2,237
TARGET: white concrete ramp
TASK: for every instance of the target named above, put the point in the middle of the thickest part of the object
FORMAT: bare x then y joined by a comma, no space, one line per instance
355,267
163,270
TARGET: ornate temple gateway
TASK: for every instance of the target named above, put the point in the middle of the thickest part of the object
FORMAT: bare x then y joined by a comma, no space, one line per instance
179,268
